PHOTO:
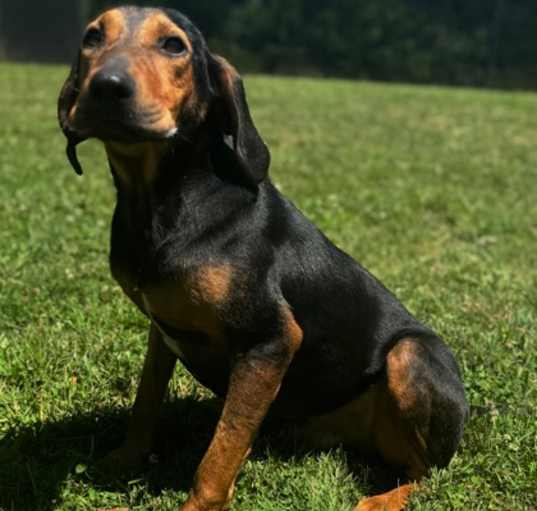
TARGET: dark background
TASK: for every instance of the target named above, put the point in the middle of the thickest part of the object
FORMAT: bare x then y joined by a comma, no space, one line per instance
489,43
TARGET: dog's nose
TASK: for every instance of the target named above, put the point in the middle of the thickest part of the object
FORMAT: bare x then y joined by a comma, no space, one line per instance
112,85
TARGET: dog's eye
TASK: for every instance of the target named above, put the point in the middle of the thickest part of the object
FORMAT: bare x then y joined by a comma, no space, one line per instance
173,45
93,38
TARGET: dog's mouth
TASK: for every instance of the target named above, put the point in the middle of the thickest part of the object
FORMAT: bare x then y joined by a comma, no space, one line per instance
120,125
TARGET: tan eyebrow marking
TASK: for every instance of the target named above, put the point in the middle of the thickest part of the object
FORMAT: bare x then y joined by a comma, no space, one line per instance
158,26
113,23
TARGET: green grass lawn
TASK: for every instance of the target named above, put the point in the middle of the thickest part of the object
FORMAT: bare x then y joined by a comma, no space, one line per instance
434,190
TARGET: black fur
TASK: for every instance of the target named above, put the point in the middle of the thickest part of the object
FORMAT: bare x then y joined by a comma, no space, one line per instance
213,203
349,319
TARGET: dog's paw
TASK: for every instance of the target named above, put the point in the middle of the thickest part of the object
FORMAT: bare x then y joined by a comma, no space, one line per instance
394,500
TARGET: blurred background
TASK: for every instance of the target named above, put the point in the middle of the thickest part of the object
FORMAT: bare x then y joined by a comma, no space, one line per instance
491,43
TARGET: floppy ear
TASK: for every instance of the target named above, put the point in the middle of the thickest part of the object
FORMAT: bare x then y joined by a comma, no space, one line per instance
233,119
68,96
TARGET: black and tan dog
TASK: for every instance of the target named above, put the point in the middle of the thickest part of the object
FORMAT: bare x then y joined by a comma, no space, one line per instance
254,300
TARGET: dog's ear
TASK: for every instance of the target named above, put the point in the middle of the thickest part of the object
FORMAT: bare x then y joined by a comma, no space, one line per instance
67,99
233,120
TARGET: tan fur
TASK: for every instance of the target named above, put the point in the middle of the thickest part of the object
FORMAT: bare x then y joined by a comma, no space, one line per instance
192,303
292,330
114,25
164,84
211,284
394,500
136,163
351,425
252,388
158,25
400,360
377,422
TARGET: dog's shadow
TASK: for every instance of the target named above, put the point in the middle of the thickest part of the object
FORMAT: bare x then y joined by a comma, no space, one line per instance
35,461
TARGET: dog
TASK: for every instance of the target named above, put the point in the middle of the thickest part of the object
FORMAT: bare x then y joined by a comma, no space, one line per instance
237,284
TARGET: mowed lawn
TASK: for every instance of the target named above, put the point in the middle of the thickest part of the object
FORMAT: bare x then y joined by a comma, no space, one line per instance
433,189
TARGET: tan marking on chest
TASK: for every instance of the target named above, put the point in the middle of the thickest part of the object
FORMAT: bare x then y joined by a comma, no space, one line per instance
193,302
211,284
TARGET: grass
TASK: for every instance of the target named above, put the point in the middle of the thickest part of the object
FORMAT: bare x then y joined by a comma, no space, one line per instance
434,190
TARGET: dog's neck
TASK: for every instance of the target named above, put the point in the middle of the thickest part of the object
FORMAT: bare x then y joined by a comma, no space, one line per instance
160,179
150,175
170,191
136,165
141,165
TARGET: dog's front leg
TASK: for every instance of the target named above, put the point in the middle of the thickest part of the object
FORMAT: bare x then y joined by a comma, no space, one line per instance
158,368
254,383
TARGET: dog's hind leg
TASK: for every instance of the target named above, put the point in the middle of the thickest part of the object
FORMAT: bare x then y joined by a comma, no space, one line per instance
419,415
412,418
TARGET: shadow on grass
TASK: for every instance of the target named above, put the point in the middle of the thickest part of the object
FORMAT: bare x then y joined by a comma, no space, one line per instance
35,461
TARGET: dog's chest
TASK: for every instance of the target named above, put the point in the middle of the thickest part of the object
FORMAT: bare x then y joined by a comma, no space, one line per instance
188,309
192,302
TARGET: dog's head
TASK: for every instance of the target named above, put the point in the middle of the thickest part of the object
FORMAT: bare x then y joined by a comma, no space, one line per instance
146,74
